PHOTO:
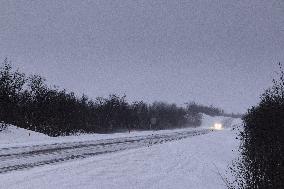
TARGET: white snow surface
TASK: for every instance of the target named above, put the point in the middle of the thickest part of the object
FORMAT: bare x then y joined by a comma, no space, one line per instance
188,163
16,135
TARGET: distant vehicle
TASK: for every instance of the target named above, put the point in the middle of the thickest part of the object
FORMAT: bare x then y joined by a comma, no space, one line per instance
218,126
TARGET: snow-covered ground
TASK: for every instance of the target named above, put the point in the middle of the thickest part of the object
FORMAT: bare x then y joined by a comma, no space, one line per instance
14,135
188,163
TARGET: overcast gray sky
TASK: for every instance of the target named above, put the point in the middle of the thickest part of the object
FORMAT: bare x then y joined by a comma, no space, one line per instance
213,52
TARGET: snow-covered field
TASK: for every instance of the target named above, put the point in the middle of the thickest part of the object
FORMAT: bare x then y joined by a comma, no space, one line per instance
193,162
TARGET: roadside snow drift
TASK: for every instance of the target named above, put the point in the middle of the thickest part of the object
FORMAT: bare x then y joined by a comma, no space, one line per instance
14,134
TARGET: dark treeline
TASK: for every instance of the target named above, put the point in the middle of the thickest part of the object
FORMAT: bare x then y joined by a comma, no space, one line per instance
27,101
209,110
262,149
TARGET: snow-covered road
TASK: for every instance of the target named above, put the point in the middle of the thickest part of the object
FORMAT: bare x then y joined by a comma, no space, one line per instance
194,162
72,162
15,158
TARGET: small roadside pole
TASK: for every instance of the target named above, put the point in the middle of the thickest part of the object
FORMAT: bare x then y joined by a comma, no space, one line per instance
153,121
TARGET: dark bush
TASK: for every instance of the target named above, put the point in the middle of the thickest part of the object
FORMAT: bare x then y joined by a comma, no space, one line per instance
262,150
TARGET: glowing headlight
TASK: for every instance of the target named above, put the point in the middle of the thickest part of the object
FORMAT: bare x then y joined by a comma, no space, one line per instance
218,126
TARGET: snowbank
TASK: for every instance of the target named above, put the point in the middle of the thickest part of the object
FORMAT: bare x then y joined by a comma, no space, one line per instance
13,134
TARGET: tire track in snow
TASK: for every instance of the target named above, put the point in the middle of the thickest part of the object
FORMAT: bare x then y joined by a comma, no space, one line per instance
18,158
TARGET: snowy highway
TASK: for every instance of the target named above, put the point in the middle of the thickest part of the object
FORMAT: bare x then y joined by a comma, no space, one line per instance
17,158
182,158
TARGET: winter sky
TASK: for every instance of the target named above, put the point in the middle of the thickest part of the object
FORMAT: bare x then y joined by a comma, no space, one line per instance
223,53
